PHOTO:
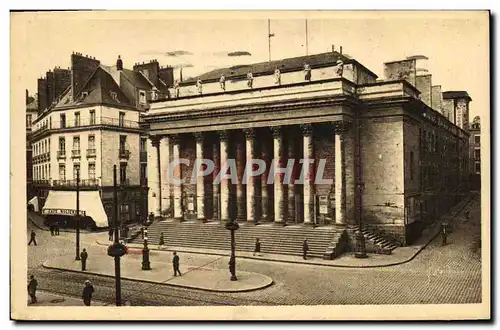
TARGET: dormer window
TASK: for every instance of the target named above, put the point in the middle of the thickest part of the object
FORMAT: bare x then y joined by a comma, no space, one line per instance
85,94
142,97
114,96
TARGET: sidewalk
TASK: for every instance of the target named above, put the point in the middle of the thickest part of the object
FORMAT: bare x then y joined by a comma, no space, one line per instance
197,272
45,298
399,255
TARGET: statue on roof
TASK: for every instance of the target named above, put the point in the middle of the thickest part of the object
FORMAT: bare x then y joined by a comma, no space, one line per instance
199,86
222,82
177,87
249,79
277,76
339,68
307,72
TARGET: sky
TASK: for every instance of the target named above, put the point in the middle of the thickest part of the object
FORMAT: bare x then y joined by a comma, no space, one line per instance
456,44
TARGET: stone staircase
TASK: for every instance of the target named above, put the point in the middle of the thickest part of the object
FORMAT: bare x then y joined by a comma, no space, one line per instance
374,243
324,242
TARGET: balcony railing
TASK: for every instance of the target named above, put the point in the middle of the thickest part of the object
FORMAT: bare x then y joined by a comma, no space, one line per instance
72,183
45,157
91,153
124,154
61,154
108,121
143,157
41,182
75,153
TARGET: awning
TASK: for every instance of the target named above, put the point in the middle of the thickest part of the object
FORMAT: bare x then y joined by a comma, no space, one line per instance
34,202
64,203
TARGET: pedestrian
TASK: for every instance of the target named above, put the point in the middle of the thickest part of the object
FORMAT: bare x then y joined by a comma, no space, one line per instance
88,290
467,214
175,262
110,234
52,229
33,237
162,240
256,249
83,257
444,233
305,248
32,289
56,229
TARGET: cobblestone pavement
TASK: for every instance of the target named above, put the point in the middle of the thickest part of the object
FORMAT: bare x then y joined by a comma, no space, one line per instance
439,274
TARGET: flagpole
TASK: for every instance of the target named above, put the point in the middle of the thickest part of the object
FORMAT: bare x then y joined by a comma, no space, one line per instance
307,41
269,37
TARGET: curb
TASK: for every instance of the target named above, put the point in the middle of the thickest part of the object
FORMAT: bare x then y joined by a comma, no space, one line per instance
159,283
431,238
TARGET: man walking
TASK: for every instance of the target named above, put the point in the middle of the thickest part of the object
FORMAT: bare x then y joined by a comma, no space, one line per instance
32,289
52,228
444,233
33,237
305,248
56,228
110,234
175,262
83,256
467,214
88,290
256,249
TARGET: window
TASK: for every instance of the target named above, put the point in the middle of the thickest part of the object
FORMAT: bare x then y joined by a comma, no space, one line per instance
143,173
76,143
411,165
478,167
123,142
477,154
121,120
143,145
123,173
62,144
62,172
91,171
28,121
92,117
77,118
142,97
76,170
63,120
50,122
114,96
91,142
477,139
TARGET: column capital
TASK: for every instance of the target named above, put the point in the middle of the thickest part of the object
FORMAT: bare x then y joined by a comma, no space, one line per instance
340,127
223,135
249,133
198,136
155,140
306,129
175,138
276,131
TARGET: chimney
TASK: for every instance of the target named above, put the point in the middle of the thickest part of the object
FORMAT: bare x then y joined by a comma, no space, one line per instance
333,48
119,64
340,51
167,75
27,96
82,68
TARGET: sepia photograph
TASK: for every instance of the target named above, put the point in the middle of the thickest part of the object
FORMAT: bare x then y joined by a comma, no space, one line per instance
259,165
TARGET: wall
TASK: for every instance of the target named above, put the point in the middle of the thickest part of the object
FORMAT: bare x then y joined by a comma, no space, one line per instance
412,185
437,99
382,159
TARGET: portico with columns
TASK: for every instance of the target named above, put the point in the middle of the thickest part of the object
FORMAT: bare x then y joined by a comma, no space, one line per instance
259,199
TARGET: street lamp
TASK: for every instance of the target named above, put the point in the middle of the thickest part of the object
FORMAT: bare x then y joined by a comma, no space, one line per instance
145,252
77,257
232,226
360,251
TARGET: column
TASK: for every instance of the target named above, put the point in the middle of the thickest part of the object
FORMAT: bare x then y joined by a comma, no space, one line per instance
224,184
240,169
216,191
308,174
154,182
291,186
178,176
340,197
264,195
200,180
251,202
164,163
279,193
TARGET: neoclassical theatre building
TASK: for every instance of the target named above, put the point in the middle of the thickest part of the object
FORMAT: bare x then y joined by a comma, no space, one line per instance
394,157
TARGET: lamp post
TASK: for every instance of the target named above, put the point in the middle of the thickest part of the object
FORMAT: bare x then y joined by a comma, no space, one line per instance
145,252
232,226
117,249
77,257
360,238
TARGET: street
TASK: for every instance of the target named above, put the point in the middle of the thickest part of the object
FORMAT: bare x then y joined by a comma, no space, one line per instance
438,274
